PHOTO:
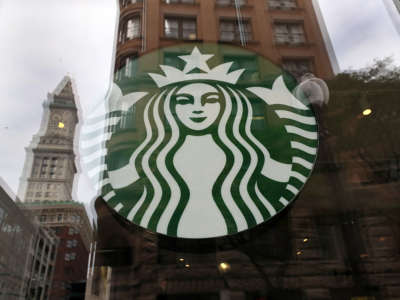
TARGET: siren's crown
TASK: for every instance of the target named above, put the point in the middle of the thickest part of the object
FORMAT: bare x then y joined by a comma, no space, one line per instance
196,60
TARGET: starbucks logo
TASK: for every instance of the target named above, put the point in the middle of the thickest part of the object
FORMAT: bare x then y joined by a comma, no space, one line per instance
202,148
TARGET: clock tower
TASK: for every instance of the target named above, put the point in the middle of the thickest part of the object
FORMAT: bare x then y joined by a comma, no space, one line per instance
49,168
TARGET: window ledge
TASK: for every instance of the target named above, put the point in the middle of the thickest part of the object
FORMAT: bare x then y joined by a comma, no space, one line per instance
289,45
182,3
275,9
180,39
246,6
130,40
237,42
134,8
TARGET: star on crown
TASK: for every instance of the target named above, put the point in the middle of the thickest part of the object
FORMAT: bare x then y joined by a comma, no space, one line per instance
193,61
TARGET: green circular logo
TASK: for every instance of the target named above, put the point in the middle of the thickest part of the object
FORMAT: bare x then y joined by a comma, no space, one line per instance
201,141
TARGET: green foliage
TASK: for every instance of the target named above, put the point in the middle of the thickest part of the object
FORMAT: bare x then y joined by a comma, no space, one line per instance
381,74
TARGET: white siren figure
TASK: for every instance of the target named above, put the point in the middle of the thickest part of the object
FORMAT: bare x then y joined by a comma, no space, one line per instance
199,165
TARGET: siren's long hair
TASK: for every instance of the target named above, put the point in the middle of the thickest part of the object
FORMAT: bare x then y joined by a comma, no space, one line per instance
166,193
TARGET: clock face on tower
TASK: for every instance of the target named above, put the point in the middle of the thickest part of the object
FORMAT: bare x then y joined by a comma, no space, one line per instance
57,124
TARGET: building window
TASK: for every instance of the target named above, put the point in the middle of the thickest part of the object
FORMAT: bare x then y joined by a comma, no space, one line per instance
71,243
127,2
42,218
59,217
282,4
127,67
297,67
180,28
130,29
229,30
290,33
180,1
231,2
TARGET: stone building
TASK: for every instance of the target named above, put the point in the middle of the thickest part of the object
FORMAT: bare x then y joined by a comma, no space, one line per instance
46,188
69,222
49,167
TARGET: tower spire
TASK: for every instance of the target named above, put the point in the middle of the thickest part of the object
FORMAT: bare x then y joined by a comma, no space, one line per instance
50,160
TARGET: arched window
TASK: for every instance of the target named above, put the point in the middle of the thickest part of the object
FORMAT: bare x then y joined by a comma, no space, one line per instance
130,29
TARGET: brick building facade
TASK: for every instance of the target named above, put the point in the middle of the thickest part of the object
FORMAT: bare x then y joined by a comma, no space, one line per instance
339,240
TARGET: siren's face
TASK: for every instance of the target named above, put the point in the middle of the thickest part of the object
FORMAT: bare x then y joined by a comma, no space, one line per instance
197,105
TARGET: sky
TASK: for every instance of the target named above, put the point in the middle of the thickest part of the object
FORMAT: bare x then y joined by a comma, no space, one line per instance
41,41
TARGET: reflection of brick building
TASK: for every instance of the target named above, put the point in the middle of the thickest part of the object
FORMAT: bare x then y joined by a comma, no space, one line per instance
285,31
69,222
338,241
46,188
27,253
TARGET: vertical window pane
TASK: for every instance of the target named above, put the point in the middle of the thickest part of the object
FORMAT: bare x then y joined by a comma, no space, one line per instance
289,33
298,67
180,28
189,29
227,30
133,28
171,28
247,30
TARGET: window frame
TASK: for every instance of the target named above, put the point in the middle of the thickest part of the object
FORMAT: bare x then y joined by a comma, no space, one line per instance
236,30
123,29
125,3
180,20
231,3
288,24
282,6
121,63
192,2
310,59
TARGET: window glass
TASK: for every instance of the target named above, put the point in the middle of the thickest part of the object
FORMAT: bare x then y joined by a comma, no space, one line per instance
190,149
180,1
180,28
282,4
289,33
133,28
130,29
231,2
231,31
